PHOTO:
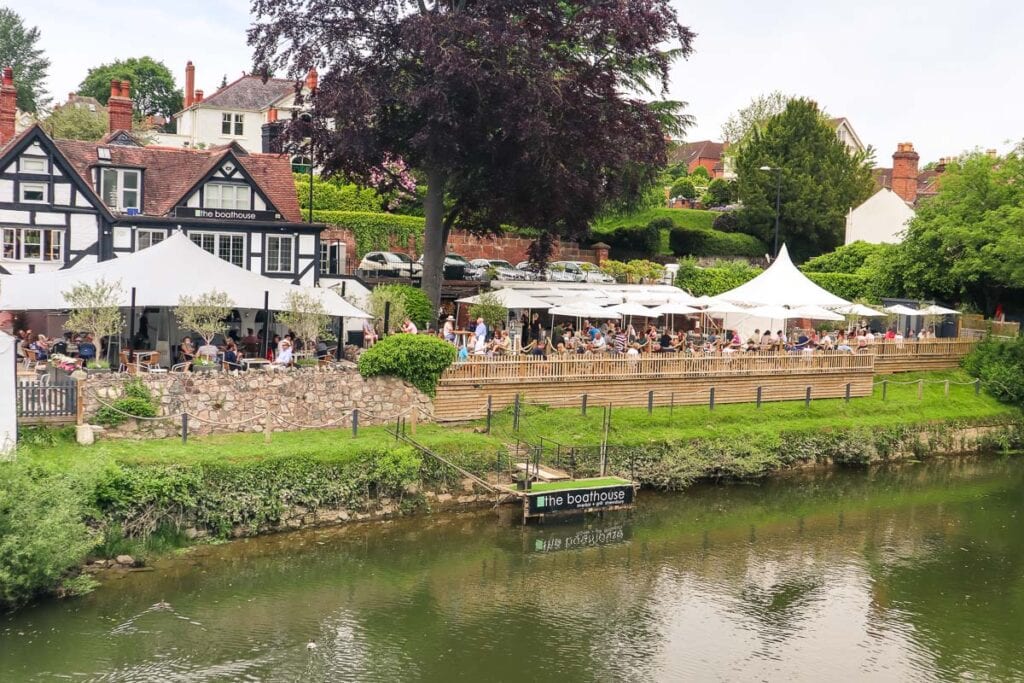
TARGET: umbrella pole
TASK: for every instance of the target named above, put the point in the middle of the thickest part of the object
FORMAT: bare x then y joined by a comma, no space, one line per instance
131,323
266,320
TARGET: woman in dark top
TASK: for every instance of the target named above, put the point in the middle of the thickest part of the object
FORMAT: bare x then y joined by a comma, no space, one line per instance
535,327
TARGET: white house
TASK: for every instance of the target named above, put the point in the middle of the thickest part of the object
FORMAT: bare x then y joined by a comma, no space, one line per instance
879,220
235,113
847,135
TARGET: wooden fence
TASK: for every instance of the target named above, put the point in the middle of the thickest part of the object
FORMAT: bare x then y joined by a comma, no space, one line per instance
41,402
919,356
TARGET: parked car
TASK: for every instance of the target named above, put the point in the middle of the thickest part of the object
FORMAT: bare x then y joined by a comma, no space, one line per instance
390,264
592,273
563,271
504,270
458,268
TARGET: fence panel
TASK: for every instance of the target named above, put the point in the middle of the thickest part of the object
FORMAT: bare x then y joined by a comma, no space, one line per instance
38,399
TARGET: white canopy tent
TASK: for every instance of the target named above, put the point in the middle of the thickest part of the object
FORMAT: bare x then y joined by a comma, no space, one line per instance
815,313
633,310
510,298
585,310
160,275
782,284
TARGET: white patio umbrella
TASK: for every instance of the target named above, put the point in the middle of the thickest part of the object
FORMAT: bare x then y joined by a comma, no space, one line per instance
510,298
815,313
859,309
723,307
674,309
631,309
900,309
585,310
938,310
771,311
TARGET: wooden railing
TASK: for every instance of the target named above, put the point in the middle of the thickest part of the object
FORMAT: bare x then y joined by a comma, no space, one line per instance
41,402
527,369
929,348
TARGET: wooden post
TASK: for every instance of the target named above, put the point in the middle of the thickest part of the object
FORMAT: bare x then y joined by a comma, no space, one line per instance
672,404
848,392
650,402
80,408
977,387
759,389
515,415
711,399
267,432
184,427
947,388
412,421
489,405
355,423
920,389
387,318
807,398
583,405
885,388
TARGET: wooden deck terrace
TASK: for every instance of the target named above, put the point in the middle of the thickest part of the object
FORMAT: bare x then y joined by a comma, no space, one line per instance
464,389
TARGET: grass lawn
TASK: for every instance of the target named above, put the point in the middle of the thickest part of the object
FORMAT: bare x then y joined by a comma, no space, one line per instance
542,487
629,427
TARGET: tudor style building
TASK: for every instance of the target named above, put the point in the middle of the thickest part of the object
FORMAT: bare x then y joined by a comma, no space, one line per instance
65,203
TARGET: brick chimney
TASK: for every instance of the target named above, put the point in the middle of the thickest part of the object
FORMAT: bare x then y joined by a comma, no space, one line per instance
8,105
190,84
904,172
199,96
119,106
312,80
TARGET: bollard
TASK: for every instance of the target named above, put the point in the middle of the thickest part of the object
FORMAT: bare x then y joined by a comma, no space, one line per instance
412,421
920,389
489,404
267,431
807,398
947,388
515,415
977,387
759,397
583,405
711,399
885,387
184,427
847,392
650,402
672,404
387,318
355,423
398,427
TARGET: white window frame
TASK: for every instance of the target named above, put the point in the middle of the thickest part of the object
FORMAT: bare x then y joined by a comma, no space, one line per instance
216,239
120,191
25,161
235,124
274,260
326,249
42,187
161,235
13,242
214,196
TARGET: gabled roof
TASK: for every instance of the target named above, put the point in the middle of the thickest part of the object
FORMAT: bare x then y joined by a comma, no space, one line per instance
250,93
688,152
782,284
171,172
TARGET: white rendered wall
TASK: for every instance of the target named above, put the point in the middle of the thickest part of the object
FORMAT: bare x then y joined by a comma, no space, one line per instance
879,220
8,412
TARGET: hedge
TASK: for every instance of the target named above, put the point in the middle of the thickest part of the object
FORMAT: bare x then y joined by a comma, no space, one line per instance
418,359
843,285
716,279
375,231
695,242
687,218
635,240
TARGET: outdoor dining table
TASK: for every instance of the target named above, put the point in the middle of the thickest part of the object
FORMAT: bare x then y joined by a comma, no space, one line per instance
257,362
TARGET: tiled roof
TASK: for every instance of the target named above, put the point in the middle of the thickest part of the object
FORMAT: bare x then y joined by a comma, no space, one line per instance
249,92
927,181
170,172
688,152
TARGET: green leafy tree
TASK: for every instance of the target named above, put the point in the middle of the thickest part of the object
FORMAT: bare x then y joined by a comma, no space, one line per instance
820,181
720,192
721,277
490,309
849,258
153,87
683,188
306,317
75,123
406,301
95,309
700,176
739,127
204,314
20,51
967,242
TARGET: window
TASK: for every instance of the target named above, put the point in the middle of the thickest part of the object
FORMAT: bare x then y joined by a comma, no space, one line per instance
229,247
119,188
147,238
30,165
279,253
231,124
332,258
33,244
33,192
225,196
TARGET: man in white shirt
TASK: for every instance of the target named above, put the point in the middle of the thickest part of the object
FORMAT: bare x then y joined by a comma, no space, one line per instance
409,327
599,344
481,329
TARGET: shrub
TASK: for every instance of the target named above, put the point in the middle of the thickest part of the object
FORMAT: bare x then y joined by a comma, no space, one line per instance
1000,367
42,533
331,195
844,285
701,172
720,192
712,281
683,188
726,222
375,231
846,259
638,240
695,242
405,301
137,401
418,359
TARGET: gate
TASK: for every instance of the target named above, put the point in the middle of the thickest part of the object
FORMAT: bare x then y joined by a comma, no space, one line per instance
41,401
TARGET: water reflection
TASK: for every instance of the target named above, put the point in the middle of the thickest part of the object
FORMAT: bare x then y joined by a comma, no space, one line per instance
909,573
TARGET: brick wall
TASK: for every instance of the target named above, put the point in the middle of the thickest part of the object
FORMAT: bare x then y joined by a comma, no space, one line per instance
511,248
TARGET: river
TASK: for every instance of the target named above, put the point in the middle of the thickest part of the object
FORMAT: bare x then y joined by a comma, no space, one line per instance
906,573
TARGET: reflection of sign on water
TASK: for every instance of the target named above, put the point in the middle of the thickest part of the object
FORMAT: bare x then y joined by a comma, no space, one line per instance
583,538
580,499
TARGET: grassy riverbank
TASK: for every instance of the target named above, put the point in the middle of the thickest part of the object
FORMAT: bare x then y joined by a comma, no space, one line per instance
88,497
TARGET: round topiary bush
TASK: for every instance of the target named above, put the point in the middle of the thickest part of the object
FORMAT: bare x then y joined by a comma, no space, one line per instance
416,358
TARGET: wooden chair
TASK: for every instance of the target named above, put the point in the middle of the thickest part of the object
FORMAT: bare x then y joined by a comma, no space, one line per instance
152,363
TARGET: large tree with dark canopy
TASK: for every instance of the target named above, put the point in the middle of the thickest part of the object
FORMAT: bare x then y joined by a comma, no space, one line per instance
524,112
19,49
153,88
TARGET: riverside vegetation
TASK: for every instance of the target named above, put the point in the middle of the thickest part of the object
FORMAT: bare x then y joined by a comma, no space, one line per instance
61,503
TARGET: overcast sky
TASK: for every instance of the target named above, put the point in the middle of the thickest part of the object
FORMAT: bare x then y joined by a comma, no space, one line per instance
946,75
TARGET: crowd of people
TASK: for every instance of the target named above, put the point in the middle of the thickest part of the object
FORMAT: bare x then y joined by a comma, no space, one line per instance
231,351
41,348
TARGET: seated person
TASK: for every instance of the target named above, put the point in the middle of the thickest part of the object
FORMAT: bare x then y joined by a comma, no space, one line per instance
600,344
664,344
321,349
41,347
231,356
87,350
208,351
448,331
369,334
186,352
284,358
501,344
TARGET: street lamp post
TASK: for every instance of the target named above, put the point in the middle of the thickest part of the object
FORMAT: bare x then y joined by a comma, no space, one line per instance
307,118
778,199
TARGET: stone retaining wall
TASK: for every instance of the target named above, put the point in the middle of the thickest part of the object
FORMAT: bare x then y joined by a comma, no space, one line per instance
219,403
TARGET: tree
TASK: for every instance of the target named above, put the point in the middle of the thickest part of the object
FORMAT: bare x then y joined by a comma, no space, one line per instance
405,301
683,188
523,112
719,192
700,175
153,87
307,318
204,314
490,308
738,128
95,309
967,242
75,123
820,181
19,50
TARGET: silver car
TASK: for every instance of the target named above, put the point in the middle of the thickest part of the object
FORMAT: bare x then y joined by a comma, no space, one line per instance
504,270
390,264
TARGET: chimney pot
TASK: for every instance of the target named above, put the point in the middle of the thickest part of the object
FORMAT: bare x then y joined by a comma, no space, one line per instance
199,96
126,89
271,115
190,84
115,87
904,172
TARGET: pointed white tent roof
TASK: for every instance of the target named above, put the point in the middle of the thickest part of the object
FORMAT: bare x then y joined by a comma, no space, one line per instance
160,275
781,285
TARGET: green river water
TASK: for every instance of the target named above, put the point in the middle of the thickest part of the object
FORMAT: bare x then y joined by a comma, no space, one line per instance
906,573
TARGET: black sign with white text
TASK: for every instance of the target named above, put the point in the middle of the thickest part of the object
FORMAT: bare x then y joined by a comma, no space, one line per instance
225,214
580,499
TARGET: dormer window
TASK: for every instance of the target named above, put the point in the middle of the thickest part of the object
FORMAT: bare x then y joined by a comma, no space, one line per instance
231,124
119,188
227,196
